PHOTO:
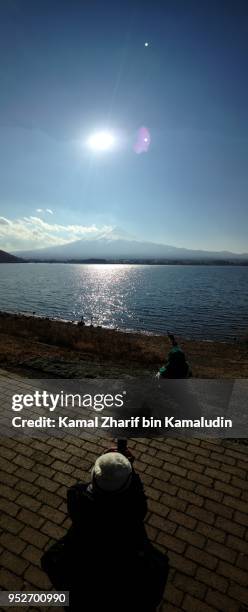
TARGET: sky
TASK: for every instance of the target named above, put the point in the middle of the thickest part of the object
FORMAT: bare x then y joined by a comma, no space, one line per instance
70,69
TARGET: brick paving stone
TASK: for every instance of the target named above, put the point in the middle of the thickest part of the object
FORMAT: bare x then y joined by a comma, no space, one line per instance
238,593
174,469
170,542
191,604
212,579
233,471
227,488
32,536
182,564
37,578
44,470
173,502
191,537
7,466
162,524
208,492
152,493
182,519
8,479
47,484
201,557
240,483
30,518
9,581
9,507
32,554
199,450
237,544
221,551
244,496
171,457
151,532
190,585
56,516
168,607
10,524
242,561
8,493
201,479
53,530
211,532
158,508
48,498
237,504
218,474
163,486
26,487
176,443
183,482
223,458
173,594
241,518
190,497
24,474
230,526
201,514
235,574
191,465
155,472
219,509
22,461
222,602
13,563
26,501
12,542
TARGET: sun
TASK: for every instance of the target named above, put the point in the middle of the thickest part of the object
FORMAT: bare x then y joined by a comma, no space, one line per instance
101,141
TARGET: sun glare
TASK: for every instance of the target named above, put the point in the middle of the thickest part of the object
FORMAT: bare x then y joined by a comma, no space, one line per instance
101,141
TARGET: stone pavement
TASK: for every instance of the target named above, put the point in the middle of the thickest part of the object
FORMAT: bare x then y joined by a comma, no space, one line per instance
198,511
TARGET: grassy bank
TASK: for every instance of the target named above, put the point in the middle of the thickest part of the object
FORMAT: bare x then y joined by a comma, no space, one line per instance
46,347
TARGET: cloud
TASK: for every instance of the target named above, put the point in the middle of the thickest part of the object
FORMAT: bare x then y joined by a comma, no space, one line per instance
33,232
44,210
4,221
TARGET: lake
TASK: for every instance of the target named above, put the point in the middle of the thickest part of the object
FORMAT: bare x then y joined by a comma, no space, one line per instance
208,302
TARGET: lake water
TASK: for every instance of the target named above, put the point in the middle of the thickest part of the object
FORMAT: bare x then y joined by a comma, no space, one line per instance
209,302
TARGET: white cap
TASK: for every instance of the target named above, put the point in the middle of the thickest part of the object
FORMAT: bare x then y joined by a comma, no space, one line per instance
112,472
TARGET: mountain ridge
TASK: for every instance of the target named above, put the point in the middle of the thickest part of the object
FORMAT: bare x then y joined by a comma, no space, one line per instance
105,248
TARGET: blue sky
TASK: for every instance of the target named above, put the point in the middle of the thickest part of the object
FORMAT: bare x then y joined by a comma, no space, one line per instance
69,69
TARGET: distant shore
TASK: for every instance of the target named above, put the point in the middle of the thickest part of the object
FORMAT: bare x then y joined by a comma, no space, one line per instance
136,262
43,347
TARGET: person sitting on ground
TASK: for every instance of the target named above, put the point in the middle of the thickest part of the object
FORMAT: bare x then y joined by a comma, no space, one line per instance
176,366
107,560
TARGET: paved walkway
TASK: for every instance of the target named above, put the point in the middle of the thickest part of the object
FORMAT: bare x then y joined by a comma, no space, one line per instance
198,511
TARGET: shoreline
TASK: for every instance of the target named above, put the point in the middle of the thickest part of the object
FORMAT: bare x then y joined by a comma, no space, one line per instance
62,349
137,332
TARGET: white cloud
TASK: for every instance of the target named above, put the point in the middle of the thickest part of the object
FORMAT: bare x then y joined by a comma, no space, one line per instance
4,221
44,210
33,232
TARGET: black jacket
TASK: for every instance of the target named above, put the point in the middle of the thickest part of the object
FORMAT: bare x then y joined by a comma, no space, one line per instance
112,519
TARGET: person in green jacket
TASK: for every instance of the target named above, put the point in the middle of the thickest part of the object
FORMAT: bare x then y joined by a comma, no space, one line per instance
176,366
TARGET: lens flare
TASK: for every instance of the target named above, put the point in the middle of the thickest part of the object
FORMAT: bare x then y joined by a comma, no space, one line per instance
143,141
